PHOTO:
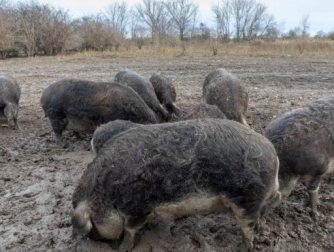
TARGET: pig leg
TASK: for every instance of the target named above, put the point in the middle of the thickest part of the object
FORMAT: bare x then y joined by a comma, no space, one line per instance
111,226
130,231
16,125
313,188
77,135
175,109
11,111
247,224
287,184
172,108
58,124
128,240
244,121
247,229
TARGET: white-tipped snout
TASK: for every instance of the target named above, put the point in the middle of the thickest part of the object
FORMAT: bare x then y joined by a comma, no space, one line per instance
81,221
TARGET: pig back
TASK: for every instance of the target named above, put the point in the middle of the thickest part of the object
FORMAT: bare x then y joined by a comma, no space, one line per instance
163,163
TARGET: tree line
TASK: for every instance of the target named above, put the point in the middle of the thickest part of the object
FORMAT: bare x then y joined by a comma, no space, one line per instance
31,28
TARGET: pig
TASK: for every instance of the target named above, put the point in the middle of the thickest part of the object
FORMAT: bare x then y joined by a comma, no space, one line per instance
165,91
175,170
144,89
82,105
303,139
225,90
107,131
10,93
204,110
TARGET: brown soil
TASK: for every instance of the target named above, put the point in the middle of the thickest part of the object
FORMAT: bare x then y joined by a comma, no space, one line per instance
37,177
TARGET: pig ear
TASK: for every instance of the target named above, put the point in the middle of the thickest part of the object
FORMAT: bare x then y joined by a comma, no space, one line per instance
10,111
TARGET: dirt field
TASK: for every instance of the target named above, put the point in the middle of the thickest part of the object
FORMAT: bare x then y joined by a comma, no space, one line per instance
37,177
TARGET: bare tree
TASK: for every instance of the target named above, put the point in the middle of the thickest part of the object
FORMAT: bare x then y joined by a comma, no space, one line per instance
299,32
28,16
7,29
250,19
165,26
204,31
183,13
41,28
267,27
152,14
292,33
305,26
223,19
118,16
96,34
320,34
55,30
139,36
133,23
139,32
252,23
271,33
330,35
243,12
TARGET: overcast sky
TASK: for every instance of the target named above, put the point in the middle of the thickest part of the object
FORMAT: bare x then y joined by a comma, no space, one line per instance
288,13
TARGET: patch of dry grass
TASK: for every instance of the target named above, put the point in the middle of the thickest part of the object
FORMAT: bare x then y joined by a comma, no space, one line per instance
297,47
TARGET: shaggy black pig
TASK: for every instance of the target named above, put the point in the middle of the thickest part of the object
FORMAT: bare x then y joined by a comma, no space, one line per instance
107,131
304,141
144,89
9,99
204,110
165,91
82,105
176,169
225,90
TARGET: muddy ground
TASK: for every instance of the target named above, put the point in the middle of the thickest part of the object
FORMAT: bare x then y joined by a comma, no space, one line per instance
37,177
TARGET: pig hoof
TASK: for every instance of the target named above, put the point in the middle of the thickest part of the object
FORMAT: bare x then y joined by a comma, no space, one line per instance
244,248
65,145
257,226
78,135
124,248
314,215
61,143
